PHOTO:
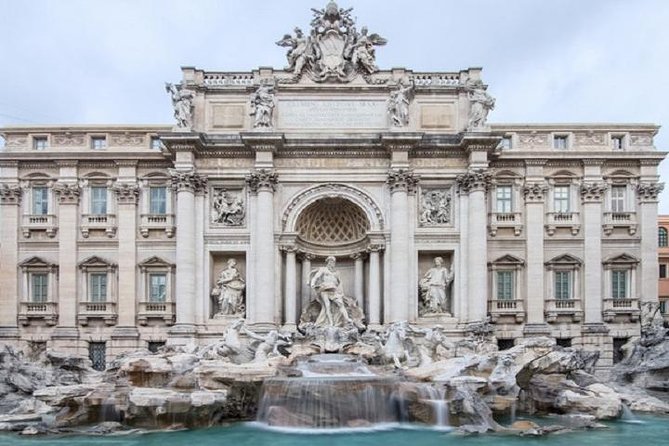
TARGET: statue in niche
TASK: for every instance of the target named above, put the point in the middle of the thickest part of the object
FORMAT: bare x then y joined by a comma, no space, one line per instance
262,106
398,105
182,101
229,291
481,104
435,207
434,289
227,209
330,308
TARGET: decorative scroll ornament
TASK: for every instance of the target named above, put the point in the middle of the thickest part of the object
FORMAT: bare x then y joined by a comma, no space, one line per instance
126,193
476,179
67,193
592,191
262,107
435,207
182,101
535,191
187,180
262,179
10,193
227,208
480,104
334,50
398,105
402,180
649,191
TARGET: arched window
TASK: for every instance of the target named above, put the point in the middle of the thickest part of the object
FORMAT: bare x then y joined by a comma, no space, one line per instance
662,237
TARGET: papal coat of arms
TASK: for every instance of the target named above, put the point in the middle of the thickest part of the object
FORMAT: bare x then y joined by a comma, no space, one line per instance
334,50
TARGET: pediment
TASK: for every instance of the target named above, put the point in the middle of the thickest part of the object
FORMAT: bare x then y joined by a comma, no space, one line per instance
508,259
155,261
565,259
95,261
36,262
622,259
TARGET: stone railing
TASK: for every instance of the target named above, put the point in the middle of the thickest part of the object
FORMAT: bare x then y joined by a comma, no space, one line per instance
222,80
436,79
619,220
103,222
513,220
161,222
621,306
39,222
571,220
97,310
506,307
47,311
563,307
156,310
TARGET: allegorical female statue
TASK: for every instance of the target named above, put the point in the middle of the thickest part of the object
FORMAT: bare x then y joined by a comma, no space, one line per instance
229,291
434,288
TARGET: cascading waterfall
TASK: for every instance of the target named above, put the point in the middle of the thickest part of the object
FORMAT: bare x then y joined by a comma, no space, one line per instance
435,396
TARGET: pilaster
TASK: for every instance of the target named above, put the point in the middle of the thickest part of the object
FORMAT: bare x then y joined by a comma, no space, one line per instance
10,200
647,194
592,193
535,195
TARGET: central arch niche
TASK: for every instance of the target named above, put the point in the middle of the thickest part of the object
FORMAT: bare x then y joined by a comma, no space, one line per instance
332,221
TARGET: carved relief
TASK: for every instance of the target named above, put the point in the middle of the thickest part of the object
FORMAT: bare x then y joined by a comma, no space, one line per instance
590,139
533,139
641,140
535,191
262,179
592,192
187,180
69,139
649,191
16,141
475,179
262,107
228,207
10,193
402,180
127,139
435,207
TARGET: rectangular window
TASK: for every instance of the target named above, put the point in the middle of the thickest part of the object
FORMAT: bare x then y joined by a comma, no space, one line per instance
40,142
98,142
158,200
98,200
617,142
97,352
505,285
663,271
40,200
98,287
39,287
561,199
155,143
619,284
503,199
157,287
618,198
563,285
505,143
560,141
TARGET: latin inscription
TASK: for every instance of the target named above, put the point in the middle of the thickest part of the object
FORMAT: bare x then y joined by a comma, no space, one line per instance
311,114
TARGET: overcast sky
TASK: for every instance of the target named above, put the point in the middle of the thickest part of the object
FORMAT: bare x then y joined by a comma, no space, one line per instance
104,62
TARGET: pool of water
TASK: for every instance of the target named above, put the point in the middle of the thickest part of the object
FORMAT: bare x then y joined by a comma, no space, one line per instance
651,431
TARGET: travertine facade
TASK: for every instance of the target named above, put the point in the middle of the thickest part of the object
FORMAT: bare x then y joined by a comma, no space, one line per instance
119,234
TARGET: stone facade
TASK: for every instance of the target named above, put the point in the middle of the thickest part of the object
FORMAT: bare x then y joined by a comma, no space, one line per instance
118,234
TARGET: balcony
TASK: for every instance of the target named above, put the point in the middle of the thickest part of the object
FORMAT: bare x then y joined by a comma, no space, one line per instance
156,310
498,308
569,220
39,222
619,220
98,222
97,310
161,222
46,311
621,307
563,307
511,220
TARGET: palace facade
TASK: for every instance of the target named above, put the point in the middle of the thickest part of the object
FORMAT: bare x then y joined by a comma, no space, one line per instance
118,237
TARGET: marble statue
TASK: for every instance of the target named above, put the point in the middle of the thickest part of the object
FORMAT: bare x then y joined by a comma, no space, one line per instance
435,207
435,346
269,345
330,306
363,54
182,101
227,209
300,49
434,288
231,348
652,324
229,290
396,344
481,103
262,106
398,105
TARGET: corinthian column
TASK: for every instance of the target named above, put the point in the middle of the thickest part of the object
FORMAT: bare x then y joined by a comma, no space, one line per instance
647,193
535,195
475,184
400,182
10,200
185,183
262,183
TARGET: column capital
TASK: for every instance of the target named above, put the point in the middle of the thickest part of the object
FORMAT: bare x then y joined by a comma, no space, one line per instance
375,247
402,180
10,193
288,249
535,191
592,192
648,191
67,193
126,193
357,255
305,256
473,180
262,180
188,180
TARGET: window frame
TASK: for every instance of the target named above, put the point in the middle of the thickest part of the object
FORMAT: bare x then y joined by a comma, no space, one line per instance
561,141
96,295
163,200
662,237
556,200
44,199
509,200
40,142
508,285
104,200
618,201
162,297
95,139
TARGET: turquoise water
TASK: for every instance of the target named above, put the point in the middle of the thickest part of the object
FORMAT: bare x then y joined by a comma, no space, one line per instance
654,431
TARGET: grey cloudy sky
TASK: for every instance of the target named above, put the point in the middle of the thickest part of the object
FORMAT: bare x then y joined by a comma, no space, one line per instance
94,61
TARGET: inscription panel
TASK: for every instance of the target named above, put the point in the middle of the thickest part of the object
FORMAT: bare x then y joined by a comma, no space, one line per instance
332,114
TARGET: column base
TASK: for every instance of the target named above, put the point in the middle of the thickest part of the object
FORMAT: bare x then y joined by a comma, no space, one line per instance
9,333
125,333
597,328
65,333
536,330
